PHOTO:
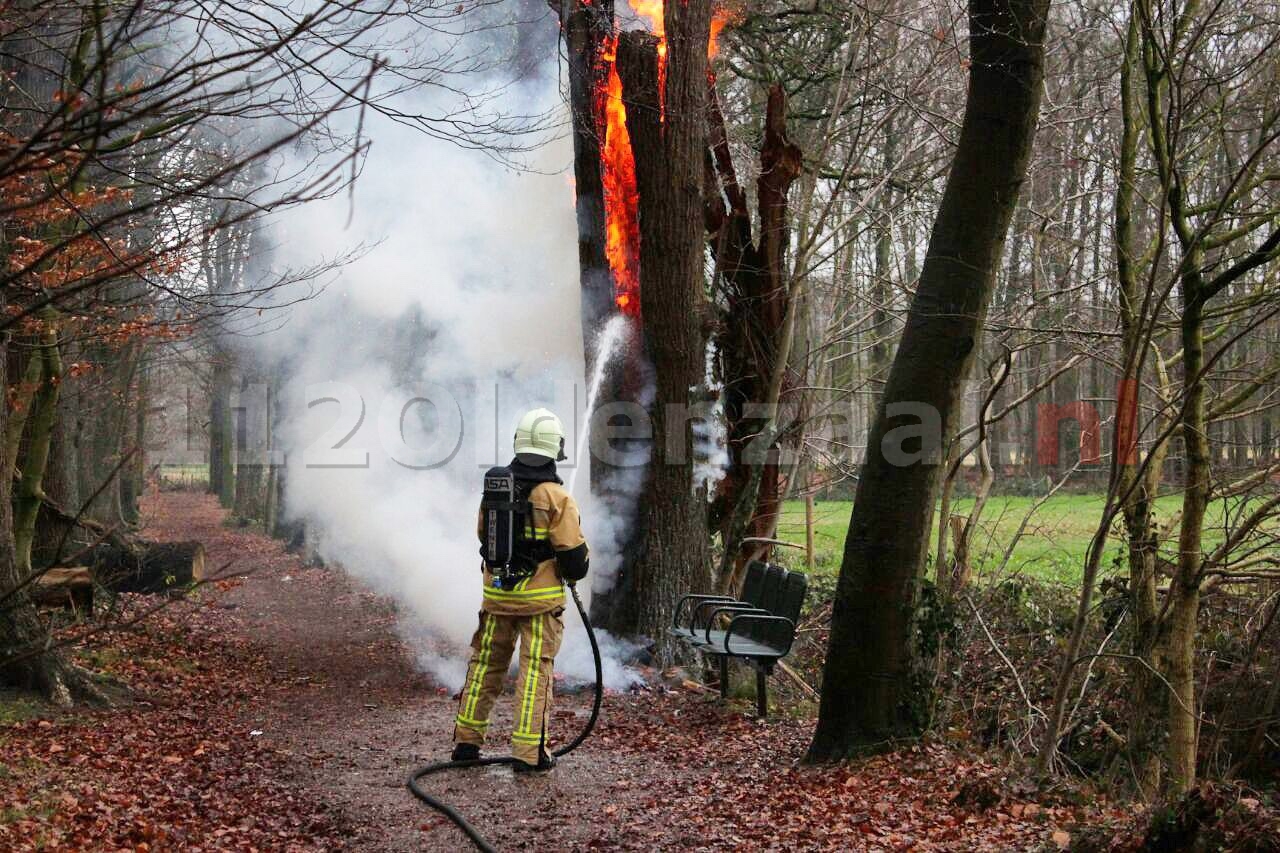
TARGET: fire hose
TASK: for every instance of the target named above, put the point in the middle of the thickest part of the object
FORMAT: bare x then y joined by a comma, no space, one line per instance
449,811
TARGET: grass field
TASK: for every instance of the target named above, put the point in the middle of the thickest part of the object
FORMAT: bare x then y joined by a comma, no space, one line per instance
184,475
1051,547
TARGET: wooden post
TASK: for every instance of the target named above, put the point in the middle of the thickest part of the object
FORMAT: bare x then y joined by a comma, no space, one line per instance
808,530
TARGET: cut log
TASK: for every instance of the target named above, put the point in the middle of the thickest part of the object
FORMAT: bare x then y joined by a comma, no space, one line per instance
121,563
148,567
70,587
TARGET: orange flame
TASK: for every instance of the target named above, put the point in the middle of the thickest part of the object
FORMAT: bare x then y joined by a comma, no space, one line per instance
621,200
721,17
651,11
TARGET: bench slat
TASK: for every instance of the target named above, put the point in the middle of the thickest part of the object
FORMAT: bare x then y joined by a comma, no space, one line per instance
749,648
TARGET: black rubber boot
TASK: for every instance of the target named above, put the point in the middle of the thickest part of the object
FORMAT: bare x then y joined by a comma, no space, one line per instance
465,752
545,763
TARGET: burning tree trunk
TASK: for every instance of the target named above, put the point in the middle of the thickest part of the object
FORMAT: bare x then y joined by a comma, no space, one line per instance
873,686
606,252
665,109
751,332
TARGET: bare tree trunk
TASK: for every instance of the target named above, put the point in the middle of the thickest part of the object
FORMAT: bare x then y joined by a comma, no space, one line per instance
25,658
272,490
952,574
873,687
222,431
106,427
20,410
757,328
881,292
1138,486
250,492
60,478
251,469
40,423
125,491
1184,590
134,424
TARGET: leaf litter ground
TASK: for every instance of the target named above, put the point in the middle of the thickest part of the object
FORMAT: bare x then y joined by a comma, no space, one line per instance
280,710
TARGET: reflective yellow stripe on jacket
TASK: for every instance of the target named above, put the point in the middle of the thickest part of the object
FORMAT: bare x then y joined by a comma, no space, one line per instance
517,595
522,592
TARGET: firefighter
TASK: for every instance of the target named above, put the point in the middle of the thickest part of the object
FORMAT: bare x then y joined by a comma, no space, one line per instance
550,550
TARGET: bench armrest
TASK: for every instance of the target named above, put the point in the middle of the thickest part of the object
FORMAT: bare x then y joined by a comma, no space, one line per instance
759,618
713,601
732,608
675,616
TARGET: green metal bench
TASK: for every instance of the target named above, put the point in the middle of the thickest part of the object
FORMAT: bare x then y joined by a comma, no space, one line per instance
761,625
695,606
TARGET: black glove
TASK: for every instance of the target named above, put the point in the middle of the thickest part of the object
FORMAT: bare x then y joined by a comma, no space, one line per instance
573,563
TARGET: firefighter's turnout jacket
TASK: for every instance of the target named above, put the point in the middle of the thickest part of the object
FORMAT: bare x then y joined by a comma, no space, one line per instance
534,612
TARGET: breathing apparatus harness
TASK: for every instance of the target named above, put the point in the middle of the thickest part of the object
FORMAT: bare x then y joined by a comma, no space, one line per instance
509,543
512,552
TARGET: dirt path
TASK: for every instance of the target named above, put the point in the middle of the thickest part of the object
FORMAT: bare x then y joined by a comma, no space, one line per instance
348,709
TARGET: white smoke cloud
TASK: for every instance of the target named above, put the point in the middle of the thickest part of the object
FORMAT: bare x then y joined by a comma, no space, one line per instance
468,295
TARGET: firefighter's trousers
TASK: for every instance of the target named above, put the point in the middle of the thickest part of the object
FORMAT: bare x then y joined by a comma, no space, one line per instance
492,647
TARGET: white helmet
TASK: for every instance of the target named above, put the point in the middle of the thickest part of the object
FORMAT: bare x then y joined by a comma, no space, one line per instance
540,433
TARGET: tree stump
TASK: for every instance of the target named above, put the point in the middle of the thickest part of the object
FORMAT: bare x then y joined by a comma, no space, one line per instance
70,587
